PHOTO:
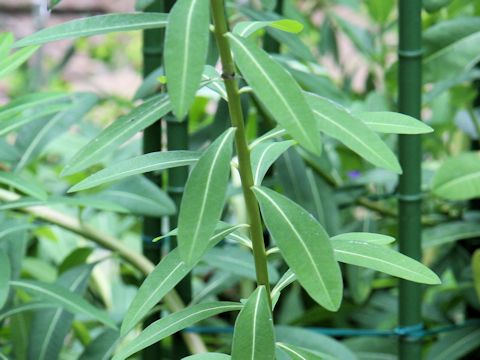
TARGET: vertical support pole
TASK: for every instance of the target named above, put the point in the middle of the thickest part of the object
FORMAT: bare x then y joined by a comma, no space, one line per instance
409,100
177,139
152,141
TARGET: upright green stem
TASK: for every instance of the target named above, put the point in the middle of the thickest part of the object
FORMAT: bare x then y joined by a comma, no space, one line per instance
243,152
410,83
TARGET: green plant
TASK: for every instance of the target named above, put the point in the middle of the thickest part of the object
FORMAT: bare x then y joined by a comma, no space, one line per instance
297,238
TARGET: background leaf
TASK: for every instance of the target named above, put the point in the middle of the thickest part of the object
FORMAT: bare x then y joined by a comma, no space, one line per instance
95,25
186,47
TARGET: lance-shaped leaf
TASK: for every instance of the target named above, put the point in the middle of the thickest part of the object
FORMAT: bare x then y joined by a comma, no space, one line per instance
452,45
29,187
57,295
6,42
459,177
371,238
384,259
277,91
299,353
393,123
204,197
50,327
121,130
101,348
95,25
264,155
304,245
208,356
173,323
15,60
186,48
286,279
168,273
34,137
341,125
247,28
155,161
30,306
456,344
31,102
4,277
254,337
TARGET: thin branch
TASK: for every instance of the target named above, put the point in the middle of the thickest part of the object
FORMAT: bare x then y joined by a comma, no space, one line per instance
172,300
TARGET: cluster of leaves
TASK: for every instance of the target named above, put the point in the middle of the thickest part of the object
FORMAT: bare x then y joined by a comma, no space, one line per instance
319,204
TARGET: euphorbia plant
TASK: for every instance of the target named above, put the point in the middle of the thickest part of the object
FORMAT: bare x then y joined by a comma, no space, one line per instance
307,249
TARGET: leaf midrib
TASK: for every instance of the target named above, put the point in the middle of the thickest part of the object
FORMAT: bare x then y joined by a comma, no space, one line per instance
302,243
275,89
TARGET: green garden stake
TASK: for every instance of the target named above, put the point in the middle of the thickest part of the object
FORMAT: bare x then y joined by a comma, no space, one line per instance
409,102
152,141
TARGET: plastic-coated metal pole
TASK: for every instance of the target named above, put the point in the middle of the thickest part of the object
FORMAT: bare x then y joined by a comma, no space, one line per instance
152,141
410,153
177,139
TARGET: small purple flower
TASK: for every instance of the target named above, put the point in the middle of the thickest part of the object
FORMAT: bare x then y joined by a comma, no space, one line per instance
354,174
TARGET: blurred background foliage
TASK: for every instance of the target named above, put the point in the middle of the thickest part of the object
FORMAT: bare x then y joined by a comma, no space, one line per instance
347,54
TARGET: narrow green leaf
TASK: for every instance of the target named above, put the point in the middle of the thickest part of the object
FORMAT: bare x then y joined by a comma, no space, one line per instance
286,279
204,198
214,81
314,341
296,48
339,124
264,155
17,122
277,90
173,323
254,337
208,356
305,246
186,48
34,137
476,271
6,42
14,61
31,102
29,187
247,28
383,259
117,133
5,274
168,273
453,45
53,3
58,295
449,232
50,327
101,348
458,178
371,238
393,123
155,161
455,345
20,308
298,353
95,25
139,196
